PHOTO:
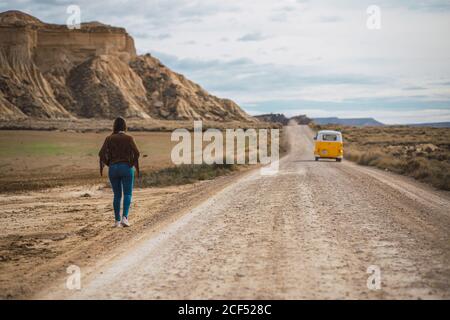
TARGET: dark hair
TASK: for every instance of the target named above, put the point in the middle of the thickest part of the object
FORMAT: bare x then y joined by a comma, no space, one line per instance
119,125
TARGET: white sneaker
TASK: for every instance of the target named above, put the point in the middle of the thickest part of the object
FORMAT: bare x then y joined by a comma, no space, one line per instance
117,224
125,222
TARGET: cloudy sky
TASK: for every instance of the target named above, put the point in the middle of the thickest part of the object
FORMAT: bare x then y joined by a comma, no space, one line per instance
292,56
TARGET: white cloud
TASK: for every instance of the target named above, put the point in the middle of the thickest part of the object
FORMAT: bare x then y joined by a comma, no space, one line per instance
308,50
255,36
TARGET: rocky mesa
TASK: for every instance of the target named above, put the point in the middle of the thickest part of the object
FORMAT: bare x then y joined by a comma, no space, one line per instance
50,71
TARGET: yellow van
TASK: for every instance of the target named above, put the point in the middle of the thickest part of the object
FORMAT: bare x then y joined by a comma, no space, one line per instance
329,145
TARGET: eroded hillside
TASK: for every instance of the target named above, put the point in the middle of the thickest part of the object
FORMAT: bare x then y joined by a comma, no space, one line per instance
50,71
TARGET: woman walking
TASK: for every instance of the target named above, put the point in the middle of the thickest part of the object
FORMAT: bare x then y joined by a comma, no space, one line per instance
120,153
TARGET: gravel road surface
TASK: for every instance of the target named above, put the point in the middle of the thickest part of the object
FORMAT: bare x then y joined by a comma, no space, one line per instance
309,232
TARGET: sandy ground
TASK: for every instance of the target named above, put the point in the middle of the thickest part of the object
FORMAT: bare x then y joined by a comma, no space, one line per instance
310,231
43,232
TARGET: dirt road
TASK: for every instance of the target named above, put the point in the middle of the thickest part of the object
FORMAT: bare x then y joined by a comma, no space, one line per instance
310,231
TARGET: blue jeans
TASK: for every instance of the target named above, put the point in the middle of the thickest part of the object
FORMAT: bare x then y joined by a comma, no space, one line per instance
121,176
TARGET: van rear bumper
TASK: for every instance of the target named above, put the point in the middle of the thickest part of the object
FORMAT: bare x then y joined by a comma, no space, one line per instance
325,157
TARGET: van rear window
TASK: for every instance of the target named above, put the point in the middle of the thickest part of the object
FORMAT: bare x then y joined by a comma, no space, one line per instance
329,137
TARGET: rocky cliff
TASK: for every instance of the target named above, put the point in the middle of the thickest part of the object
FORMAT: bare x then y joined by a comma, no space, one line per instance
282,119
50,71
273,117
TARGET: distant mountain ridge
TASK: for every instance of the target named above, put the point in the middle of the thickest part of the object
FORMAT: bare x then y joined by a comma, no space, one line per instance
431,124
359,122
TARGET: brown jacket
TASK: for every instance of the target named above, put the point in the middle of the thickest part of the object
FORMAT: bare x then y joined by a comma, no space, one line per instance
119,147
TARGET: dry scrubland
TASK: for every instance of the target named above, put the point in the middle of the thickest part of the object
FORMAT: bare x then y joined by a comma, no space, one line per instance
140,125
32,160
42,159
422,153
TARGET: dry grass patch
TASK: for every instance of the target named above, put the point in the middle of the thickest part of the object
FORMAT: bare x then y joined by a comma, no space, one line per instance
33,160
422,153
184,174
